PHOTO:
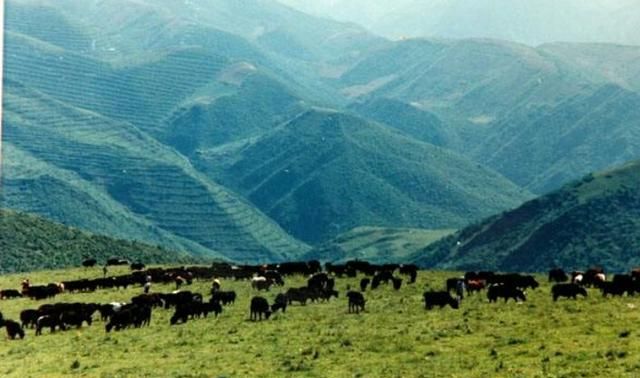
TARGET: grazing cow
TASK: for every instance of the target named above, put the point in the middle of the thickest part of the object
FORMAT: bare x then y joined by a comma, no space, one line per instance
475,285
274,276
50,321
29,318
630,285
364,283
120,319
300,294
440,299
594,277
557,275
411,270
259,307
567,290
10,293
42,292
75,318
88,263
13,329
356,301
211,307
107,310
614,289
326,294
452,283
506,292
384,276
318,281
397,283
280,303
137,266
261,283
224,297
129,315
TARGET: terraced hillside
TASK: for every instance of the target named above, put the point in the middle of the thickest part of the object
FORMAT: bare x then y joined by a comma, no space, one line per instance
117,163
536,115
409,119
594,221
31,243
542,148
324,172
478,78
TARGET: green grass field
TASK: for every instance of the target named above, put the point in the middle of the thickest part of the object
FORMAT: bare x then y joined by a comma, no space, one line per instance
394,337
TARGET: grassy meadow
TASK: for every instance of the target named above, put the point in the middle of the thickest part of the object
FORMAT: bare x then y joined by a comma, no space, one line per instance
394,337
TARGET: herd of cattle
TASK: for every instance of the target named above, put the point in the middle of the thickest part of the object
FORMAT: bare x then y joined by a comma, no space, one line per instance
320,287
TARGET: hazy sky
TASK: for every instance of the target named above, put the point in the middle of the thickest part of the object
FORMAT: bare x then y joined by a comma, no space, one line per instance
527,21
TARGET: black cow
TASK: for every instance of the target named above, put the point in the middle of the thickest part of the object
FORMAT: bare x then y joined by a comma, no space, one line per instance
411,270
364,283
280,303
614,288
558,275
356,301
88,263
397,283
50,321
567,290
29,318
225,297
259,307
13,329
440,299
75,318
10,293
129,315
452,283
300,294
137,266
506,292
384,276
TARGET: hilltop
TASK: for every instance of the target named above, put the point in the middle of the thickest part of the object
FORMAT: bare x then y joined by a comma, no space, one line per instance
31,243
327,171
593,221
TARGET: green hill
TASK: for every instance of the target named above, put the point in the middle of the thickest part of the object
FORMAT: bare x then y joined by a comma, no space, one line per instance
375,244
411,120
30,242
594,221
542,148
324,172
79,159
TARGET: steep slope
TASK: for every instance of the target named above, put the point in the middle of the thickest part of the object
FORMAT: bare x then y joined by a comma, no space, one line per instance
410,120
259,104
31,243
480,79
116,166
375,244
542,148
594,221
325,172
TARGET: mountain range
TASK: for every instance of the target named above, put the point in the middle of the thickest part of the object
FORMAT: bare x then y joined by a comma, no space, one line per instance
530,22
252,131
